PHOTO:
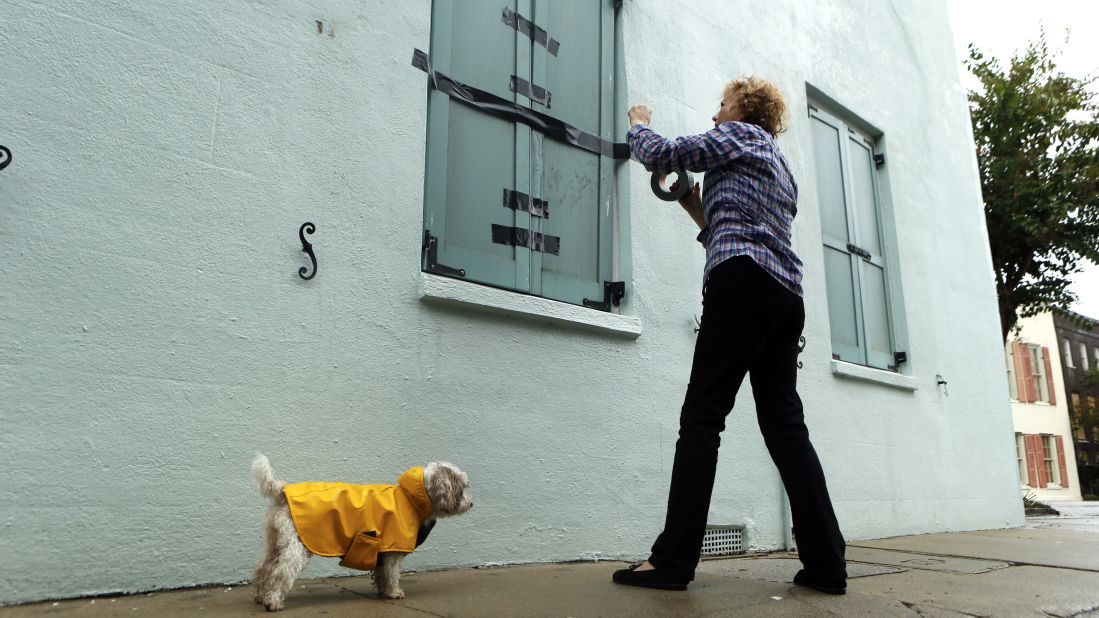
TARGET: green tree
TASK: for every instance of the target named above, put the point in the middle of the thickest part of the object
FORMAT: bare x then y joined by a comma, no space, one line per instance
1036,132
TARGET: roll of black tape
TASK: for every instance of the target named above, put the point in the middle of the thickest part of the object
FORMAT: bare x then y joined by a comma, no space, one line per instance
660,185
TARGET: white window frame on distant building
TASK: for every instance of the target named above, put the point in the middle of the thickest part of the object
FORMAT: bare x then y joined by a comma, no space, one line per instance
1038,372
1012,385
1066,353
1084,356
1049,455
1020,456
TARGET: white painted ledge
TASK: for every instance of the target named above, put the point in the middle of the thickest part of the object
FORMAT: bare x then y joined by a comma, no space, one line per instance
878,376
448,290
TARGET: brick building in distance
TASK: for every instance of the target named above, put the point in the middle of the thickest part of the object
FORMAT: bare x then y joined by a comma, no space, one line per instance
1078,340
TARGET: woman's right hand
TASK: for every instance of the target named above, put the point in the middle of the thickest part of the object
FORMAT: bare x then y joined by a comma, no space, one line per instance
692,203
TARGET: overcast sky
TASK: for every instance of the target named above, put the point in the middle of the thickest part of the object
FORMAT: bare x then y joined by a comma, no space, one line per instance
1000,28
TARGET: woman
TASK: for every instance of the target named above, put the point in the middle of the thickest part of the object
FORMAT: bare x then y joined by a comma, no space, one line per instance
752,319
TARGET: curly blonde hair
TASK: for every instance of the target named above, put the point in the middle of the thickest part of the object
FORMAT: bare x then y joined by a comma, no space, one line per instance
760,103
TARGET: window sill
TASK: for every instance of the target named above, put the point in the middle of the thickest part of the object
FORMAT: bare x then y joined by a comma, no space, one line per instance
877,376
447,290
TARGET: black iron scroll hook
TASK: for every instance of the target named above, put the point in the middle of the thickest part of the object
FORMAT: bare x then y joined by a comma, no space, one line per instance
307,248
801,348
5,157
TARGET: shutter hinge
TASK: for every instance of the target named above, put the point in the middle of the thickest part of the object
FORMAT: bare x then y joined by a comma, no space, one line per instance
879,160
898,358
613,291
431,252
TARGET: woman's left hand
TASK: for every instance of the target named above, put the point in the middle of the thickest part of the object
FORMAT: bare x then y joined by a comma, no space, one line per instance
640,114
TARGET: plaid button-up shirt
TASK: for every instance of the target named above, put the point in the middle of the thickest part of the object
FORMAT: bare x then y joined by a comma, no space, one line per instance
749,196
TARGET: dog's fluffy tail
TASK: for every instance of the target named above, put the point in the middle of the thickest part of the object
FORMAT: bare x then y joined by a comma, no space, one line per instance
265,477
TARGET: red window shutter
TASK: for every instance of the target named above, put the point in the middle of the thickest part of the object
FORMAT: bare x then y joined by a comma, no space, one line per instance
1026,394
1061,462
1031,460
1017,362
1049,375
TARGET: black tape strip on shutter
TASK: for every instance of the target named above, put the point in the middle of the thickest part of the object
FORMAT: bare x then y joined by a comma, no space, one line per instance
527,27
502,108
517,200
531,91
521,237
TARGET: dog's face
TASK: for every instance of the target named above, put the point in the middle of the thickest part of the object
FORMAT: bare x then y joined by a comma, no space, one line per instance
448,488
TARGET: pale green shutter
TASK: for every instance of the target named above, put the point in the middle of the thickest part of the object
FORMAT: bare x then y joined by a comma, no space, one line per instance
574,183
854,261
473,157
840,267
872,272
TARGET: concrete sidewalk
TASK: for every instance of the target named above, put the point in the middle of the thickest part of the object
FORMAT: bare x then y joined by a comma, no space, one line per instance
1050,567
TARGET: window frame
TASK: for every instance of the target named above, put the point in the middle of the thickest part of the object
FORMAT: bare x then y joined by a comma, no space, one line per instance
1084,364
1012,380
1038,372
1050,460
1020,456
527,159
1091,401
1076,410
849,127
1066,353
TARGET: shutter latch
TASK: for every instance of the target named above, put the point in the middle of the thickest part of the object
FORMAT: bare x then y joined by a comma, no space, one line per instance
613,291
859,251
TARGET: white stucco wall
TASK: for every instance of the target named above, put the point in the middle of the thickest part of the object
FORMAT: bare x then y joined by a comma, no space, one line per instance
1043,418
155,334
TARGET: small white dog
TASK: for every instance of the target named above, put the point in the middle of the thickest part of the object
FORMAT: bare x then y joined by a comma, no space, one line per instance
372,527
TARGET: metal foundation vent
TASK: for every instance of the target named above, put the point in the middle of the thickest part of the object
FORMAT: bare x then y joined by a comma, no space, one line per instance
723,540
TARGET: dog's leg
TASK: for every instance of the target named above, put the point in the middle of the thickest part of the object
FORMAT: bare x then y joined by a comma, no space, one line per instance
387,575
262,577
290,559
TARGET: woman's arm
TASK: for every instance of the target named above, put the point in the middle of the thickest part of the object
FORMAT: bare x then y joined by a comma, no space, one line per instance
692,203
697,153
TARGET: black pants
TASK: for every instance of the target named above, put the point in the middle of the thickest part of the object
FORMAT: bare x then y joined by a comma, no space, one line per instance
750,324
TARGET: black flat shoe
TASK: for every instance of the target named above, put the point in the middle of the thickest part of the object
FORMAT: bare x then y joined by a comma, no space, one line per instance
653,578
827,585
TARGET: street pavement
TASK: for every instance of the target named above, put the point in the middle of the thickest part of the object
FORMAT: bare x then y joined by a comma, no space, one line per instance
1048,567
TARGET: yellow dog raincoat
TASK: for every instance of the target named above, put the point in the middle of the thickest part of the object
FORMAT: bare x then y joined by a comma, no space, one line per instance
359,521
